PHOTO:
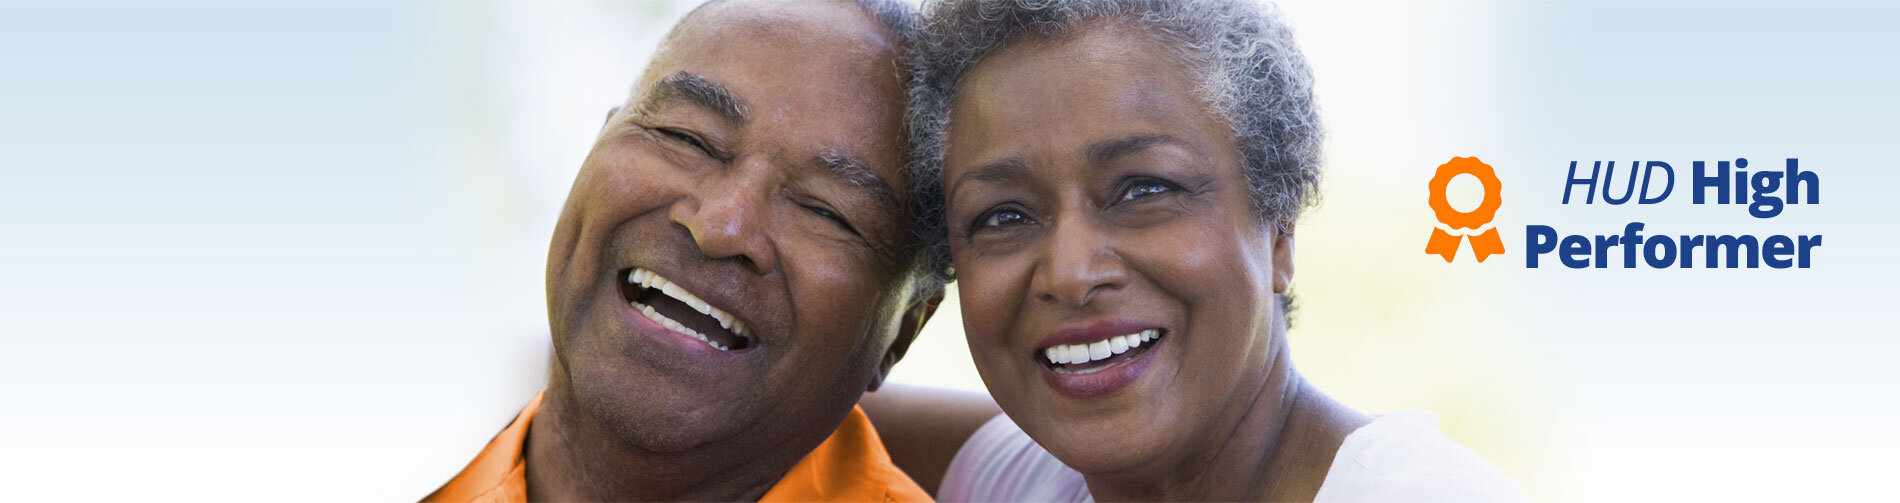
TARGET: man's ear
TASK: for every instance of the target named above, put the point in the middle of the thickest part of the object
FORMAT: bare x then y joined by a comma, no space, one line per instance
907,330
1282,257
609,119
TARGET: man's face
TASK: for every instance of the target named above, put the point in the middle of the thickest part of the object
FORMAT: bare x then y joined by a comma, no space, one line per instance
748,191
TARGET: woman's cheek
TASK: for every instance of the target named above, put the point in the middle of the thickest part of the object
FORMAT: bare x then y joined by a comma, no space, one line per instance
983,308
991,303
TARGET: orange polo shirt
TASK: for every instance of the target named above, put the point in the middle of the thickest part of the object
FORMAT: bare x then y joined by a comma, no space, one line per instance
851,465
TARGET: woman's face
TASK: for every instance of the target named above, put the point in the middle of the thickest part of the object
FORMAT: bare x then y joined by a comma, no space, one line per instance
1117,288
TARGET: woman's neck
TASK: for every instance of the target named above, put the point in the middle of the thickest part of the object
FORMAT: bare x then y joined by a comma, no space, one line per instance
1278,446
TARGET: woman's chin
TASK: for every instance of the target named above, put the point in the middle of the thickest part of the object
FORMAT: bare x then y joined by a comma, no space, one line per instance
1104,446
1104,435
1102,418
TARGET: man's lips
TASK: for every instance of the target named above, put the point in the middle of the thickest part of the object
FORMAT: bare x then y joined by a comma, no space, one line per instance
674,307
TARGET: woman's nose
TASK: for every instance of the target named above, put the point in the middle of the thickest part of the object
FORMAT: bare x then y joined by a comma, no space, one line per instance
1078,264
727,217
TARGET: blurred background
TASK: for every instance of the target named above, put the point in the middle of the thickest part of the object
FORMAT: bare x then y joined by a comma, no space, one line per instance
295,249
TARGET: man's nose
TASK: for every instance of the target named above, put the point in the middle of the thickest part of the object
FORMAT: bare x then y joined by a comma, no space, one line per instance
728,217
1078,263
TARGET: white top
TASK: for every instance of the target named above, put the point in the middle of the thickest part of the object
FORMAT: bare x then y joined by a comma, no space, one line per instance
1400,456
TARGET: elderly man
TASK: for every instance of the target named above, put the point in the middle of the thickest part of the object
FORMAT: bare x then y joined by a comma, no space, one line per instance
734,267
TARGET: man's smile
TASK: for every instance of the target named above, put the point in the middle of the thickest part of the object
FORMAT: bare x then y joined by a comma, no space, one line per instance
672,306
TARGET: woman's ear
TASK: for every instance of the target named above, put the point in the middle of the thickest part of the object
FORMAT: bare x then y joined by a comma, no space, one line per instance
1282,257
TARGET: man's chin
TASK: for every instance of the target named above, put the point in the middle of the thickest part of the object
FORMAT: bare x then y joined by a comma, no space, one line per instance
664,420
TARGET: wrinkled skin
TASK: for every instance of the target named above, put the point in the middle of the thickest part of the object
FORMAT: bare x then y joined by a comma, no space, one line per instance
740,209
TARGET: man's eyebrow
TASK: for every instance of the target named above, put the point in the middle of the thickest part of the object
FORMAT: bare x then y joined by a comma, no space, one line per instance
699,91
1108,150
854,173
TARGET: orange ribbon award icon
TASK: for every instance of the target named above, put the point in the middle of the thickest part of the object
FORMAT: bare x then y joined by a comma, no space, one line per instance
1484,245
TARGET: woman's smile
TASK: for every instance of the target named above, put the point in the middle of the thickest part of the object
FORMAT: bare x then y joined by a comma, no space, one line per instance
1087,361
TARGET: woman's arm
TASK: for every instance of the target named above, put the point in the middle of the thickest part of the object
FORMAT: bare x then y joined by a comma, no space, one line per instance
922,427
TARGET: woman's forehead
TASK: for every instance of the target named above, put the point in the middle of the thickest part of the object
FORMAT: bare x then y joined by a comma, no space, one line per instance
1060,96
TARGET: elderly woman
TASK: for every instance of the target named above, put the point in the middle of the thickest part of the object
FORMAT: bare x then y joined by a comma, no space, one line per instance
1115,185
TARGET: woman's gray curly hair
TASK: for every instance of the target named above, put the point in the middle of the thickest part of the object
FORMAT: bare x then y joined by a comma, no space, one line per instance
1251,74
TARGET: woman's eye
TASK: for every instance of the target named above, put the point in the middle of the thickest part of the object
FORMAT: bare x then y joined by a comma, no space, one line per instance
1144,188
1003,217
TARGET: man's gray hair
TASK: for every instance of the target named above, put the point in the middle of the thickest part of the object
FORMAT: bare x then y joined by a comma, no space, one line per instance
895,15
1250,73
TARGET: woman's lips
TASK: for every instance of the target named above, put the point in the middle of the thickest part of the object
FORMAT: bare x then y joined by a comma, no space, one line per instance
1082,354
1095,360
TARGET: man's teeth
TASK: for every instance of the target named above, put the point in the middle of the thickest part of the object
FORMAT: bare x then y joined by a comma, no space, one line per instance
649,279
1069,354
675,326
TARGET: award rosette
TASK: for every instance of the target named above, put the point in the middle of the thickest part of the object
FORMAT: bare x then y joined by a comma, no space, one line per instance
1445,244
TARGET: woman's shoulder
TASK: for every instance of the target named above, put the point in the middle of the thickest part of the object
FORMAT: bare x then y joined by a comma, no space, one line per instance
1001,463
1402,456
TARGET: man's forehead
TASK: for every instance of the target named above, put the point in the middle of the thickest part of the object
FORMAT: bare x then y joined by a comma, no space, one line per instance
842,24
823,74
752,38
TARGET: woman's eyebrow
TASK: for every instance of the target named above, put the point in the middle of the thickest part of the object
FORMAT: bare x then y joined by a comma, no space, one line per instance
1106,151
1002,171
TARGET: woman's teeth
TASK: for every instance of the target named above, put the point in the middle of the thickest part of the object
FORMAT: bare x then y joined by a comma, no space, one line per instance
1070,354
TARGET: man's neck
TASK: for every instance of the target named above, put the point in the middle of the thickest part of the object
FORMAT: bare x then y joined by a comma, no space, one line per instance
572,457
1278,447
